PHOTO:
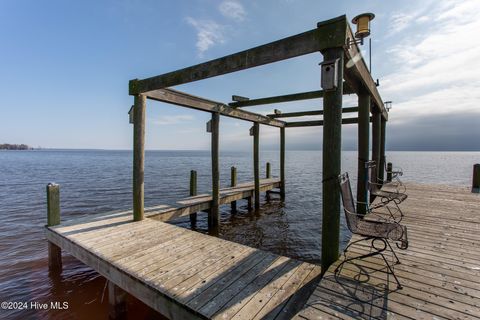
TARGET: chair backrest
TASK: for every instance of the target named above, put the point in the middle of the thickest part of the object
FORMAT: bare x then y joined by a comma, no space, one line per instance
348,202
371,168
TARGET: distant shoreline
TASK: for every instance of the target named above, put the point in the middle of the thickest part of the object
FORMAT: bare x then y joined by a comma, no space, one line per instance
7,146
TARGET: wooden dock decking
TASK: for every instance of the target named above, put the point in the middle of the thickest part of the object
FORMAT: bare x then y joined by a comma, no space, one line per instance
184,274
440,271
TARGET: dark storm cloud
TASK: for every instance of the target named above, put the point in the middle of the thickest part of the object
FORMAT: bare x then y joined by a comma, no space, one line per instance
450,132
455,132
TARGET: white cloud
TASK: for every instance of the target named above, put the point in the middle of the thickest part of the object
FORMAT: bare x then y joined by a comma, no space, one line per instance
435,69
170,120
233,10
209,33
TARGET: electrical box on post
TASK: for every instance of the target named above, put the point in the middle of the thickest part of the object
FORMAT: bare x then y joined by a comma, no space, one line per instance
329,74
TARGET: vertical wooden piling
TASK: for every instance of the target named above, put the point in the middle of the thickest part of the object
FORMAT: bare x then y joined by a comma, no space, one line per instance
233,183
256,165
138,156
332,140
376,131
213,215
268,176
363,149
282,163
389,172
476,178
193,192
381,165
53,219
117,302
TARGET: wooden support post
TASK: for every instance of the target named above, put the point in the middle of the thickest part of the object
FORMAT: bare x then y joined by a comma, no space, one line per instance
376,131
332,141
268,176
381,165
256,165
233,183
117,302
282,163
138,156
476,178
249,203
214,214
389,172
193,192
363,149
53,219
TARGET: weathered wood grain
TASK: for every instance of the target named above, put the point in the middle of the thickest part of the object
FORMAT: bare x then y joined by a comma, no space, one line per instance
439,272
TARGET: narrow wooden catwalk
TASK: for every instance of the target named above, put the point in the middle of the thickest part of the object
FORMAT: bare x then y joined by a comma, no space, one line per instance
440,271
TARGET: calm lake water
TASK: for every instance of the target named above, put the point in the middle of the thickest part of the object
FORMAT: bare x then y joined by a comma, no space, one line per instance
99,181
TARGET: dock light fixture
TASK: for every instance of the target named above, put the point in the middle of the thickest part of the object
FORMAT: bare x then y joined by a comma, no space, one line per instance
363,27
388,105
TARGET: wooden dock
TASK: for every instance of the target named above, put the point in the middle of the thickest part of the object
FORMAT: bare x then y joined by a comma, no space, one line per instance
440,271
184,274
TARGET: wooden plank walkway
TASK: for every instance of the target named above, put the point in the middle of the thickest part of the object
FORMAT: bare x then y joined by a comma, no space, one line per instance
440,271
185,274
202,202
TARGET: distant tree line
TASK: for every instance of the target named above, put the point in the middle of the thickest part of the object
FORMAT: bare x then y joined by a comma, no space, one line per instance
7,146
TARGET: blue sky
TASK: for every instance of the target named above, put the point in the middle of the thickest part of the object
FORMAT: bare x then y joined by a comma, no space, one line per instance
65,68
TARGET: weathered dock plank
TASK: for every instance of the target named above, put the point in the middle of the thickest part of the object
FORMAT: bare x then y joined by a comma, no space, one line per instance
184,274
440,271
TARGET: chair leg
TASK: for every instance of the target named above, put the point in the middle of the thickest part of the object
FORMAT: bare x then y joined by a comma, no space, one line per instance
394,254
399,286
370,254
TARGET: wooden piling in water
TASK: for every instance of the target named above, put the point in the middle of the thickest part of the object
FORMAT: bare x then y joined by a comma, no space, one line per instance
381,164
363,149
233,183
389,172
376,132
476,178
332,141
268,176
213,215
256,165
138,156
117,302
193,192
53,219
282,163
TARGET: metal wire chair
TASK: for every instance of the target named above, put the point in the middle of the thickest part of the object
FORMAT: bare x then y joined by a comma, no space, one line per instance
396,174
378,232
386,197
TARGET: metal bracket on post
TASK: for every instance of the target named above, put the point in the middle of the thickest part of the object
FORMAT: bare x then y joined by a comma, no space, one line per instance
252,131
130,115
209,126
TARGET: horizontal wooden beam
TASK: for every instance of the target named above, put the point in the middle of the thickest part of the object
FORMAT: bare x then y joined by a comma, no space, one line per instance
186,100
356,71
317,123
328,34
306,113
286,98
